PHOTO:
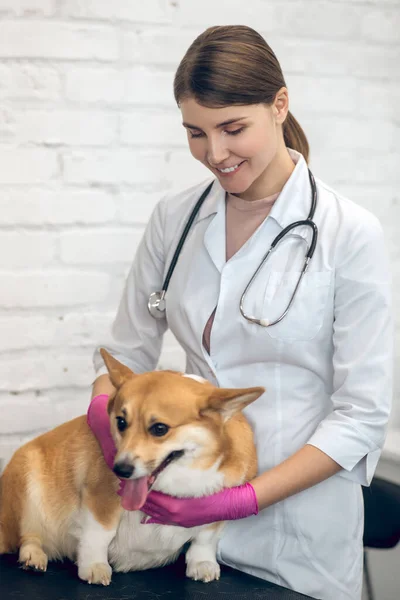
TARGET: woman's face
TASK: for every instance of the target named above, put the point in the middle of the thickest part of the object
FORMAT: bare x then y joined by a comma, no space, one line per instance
237,143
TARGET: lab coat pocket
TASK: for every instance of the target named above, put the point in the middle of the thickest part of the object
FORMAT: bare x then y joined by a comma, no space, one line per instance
305,316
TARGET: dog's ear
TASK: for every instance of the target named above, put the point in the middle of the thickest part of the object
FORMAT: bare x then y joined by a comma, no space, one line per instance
118,372
228,402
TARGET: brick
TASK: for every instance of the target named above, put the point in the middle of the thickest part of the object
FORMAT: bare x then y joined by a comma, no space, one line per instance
62,330
45,372
346,166
155,46
290,18
387,210
136,207
149,88
114,166
56,127
27,165
33,39
349,133
381,25
27,8
323,94
141,128
184,171
56,207
137,86
372,102
29,82
326,57
99,247
151,11
41,412
52,289
99,85
27,249
7,124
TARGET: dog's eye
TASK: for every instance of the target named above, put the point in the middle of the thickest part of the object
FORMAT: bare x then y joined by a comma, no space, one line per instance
159,429
121,424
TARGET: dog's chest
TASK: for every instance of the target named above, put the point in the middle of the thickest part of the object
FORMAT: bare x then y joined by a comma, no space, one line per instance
139,546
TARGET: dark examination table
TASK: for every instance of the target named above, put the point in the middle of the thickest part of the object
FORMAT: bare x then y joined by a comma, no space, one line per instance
169,583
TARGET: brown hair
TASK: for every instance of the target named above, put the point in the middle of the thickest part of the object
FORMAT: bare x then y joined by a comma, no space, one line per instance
233,64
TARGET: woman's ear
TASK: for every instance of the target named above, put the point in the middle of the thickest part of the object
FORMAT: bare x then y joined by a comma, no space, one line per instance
280,106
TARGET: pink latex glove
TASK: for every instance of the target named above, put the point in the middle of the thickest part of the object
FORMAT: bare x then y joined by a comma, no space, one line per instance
99,422
228,505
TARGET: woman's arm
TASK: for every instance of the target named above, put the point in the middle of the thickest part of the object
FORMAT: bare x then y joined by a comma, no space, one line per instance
302,470
305,468
102,385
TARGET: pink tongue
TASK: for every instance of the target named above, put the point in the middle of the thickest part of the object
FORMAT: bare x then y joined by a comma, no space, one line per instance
135,493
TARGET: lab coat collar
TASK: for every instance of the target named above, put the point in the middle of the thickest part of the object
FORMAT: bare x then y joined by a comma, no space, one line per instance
215,200
292,204
294,201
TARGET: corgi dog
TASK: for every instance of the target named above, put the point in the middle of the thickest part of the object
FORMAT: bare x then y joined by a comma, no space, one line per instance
174,433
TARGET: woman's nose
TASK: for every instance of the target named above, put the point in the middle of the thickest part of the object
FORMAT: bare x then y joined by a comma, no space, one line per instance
217,152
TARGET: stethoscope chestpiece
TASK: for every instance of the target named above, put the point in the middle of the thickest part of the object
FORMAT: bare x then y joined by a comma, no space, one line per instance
156,305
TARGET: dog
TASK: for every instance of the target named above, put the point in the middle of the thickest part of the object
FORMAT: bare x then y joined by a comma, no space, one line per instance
173,432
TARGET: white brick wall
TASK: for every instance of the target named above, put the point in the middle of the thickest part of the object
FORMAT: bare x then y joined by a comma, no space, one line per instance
90,138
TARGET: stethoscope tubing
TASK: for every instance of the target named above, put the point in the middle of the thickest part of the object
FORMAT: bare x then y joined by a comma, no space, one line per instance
156,303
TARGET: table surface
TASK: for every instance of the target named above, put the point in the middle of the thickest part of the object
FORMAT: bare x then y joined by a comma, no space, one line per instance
61,582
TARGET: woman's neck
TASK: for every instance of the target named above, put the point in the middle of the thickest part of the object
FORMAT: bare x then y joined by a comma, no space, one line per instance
272,179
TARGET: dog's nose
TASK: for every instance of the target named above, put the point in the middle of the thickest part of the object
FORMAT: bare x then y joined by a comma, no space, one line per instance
123,469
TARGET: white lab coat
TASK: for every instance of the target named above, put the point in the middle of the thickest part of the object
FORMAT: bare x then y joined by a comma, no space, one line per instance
327,367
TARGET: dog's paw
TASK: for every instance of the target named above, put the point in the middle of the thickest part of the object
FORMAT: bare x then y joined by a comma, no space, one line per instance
203,571
99,573
31,556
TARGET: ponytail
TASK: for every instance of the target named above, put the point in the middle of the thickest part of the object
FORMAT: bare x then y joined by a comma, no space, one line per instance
295,137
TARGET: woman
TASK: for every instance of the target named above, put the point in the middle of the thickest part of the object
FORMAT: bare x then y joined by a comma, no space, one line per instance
326,365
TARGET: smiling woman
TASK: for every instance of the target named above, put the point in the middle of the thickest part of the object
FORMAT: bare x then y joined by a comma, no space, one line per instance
326,363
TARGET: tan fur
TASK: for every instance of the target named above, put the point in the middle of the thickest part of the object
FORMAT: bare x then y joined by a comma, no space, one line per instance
59,481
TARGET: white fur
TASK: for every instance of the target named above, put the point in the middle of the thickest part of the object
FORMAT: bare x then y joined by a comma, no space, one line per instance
139,546
93,550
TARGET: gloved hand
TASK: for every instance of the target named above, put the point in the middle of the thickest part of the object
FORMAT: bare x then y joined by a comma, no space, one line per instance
99,422
228,505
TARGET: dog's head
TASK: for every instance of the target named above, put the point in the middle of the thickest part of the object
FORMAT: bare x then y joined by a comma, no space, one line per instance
162,417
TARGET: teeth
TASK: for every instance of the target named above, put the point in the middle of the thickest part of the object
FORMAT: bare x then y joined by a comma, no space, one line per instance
229,169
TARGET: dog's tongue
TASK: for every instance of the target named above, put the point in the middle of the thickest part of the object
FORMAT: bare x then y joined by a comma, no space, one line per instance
135,493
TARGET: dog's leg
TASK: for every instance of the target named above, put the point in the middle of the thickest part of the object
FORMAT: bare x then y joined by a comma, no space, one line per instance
31,553
100,518
31,531
201,557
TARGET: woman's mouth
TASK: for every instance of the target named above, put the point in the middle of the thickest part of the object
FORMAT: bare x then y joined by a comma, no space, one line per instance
229,171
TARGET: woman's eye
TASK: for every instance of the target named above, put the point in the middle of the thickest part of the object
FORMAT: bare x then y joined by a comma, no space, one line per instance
195,135
121,424
159,429
236,131
200,134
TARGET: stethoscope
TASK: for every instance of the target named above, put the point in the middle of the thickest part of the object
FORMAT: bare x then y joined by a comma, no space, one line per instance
156,302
